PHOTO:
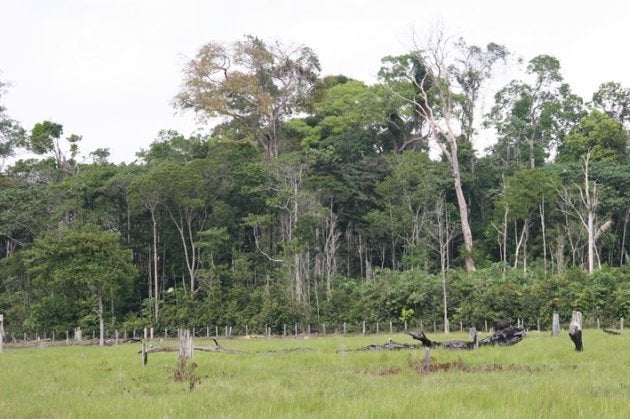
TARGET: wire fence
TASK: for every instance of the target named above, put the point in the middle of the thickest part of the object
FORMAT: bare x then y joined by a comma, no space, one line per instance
77,335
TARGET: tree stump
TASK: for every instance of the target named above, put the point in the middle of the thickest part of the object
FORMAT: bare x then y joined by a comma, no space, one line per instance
185,345
143,354
555,325
575,330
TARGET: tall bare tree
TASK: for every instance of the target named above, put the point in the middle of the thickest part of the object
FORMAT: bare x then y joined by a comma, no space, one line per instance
584,209
446,94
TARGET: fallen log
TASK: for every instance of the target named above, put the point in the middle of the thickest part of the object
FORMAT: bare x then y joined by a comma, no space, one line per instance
509,336
153,348
390,345
450,344
610,332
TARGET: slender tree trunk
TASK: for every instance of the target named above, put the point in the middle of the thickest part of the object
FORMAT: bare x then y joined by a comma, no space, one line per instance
331,244
591,241
520,240
589,199
443,240
532,155
622,250
101,320
505,225
154,264
544,238
463,209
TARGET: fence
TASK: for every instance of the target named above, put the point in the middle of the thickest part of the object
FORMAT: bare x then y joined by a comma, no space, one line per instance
287,330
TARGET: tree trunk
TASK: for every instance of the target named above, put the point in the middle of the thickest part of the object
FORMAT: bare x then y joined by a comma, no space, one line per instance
154,264
544,238
463,207
622,250
443,242
575,330
589,199
101,320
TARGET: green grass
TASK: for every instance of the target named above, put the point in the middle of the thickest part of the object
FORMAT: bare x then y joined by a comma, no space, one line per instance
93,382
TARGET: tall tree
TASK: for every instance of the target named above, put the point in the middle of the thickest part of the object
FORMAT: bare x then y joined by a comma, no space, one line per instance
614,100
531,117
11,133
252,85
598,134
446,98
45,139
582,201
145,192
84,259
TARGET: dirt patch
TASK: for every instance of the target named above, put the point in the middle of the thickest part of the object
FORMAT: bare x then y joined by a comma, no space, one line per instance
431,365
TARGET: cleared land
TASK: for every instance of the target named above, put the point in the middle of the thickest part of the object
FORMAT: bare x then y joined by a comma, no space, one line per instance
539,377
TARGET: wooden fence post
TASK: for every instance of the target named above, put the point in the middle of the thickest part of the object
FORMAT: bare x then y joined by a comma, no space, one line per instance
621,323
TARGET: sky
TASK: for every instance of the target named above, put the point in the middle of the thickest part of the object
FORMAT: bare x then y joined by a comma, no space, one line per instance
108,69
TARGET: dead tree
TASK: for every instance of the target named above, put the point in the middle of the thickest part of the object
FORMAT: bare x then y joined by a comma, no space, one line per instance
575,330
501,324
510,335
449,344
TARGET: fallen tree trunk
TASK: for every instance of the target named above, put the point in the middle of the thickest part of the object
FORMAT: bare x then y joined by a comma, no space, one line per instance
390,345
449,344
509,336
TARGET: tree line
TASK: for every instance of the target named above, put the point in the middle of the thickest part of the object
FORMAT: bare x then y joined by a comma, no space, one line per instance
323,199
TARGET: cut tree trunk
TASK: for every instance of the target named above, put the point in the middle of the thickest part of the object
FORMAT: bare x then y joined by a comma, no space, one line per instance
575,330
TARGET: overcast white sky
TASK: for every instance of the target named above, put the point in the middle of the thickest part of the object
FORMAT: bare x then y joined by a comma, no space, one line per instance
108,69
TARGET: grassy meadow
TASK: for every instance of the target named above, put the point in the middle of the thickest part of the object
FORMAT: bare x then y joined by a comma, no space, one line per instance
541,377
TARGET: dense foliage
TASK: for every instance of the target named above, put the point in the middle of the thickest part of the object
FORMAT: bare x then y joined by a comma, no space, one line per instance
316,200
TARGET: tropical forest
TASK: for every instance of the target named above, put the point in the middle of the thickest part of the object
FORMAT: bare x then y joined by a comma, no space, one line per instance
442,194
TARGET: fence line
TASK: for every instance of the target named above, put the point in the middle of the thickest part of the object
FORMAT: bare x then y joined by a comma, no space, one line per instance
76,336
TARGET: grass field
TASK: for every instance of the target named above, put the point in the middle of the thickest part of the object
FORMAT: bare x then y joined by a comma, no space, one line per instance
541,377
